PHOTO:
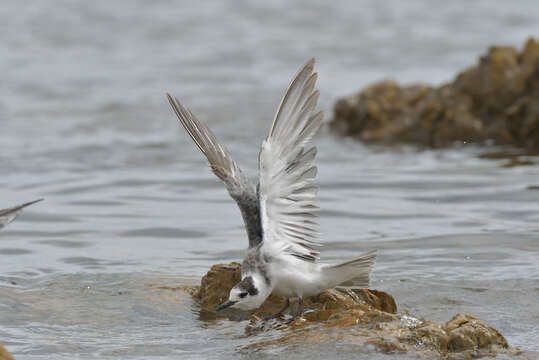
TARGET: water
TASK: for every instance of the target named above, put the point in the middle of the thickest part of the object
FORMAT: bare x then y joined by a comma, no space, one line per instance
131,207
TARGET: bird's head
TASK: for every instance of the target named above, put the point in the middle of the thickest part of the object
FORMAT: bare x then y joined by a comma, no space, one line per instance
248,294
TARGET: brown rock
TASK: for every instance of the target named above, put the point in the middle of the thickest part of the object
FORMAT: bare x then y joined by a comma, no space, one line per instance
530,54
377,299
463,334
216,285
366,113
365,316
4,355
432,333
498,100
468,333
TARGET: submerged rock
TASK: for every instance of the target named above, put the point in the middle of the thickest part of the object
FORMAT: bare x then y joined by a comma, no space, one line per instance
4,355
364,316
496,100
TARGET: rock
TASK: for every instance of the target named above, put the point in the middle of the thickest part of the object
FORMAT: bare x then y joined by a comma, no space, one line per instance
377,299
467,333
374,109
462,334
496,100
4,355
216,284
431,333
360,315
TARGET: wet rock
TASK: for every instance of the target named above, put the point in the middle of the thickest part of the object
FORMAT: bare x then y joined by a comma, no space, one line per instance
216,284
462,334
363,316
496,100
513,157
467,333
4,355
377,299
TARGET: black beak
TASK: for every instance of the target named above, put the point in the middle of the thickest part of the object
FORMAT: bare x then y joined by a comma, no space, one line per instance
225,305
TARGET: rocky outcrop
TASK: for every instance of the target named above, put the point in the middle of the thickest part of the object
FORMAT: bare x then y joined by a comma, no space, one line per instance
4,355
363,316
496,100
216,284
463,333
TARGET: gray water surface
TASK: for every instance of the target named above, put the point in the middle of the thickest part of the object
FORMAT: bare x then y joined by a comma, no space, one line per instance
131,208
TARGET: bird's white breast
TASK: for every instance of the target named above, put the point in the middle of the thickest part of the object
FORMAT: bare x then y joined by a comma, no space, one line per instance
292,277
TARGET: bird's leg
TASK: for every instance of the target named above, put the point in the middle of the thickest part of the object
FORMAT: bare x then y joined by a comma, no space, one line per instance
280,313
300,307
286,305
300,310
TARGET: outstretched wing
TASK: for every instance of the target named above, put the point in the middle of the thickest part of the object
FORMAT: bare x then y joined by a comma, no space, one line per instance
288,194
9,214
225,168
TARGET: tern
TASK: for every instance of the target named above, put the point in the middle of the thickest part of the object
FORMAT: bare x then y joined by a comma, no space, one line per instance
280,214
9,214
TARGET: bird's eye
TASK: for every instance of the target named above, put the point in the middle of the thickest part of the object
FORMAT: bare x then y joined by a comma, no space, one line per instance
242,295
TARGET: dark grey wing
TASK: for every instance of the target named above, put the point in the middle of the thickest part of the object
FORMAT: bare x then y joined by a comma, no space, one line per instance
9,214
225,168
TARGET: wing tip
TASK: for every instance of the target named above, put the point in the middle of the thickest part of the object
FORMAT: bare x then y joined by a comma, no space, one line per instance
30,203
308,67
170,99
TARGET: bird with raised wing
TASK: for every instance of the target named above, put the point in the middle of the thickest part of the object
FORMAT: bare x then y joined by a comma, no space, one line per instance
280,215
9,214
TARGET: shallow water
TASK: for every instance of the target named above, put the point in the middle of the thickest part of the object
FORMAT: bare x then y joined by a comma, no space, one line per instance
132,209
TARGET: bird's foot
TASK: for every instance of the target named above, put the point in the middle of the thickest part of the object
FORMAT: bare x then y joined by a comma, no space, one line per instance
280,313
299,314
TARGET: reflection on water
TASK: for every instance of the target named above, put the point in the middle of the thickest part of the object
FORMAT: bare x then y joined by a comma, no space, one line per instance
131,209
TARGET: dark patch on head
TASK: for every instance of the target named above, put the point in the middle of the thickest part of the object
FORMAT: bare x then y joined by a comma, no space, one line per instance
253,291
248,285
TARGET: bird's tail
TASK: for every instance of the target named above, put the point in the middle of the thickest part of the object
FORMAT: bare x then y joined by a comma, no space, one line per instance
354,273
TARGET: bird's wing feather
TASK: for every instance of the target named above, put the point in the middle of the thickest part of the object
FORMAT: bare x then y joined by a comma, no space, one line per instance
287,193
225,168
9,214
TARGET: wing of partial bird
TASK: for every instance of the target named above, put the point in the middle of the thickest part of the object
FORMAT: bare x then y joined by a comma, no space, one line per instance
225,168
287,193
9,214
